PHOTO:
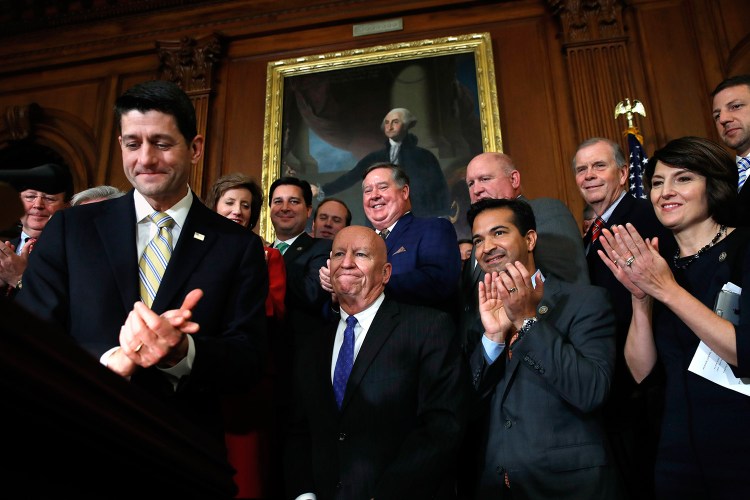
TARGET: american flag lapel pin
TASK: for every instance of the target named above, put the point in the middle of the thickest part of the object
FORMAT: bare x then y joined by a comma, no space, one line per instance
198,236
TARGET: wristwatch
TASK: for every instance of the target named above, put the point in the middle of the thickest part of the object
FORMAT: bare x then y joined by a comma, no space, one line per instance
526,326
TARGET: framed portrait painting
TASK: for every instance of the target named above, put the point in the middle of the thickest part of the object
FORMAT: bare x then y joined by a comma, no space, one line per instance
325,113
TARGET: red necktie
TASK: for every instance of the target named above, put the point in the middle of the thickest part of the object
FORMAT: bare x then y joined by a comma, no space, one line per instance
596,229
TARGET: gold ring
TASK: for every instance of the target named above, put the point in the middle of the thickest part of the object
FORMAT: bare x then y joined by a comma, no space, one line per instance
514,289
139,347
630,260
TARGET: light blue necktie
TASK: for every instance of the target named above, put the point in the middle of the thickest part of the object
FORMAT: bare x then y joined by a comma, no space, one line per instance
743,165
344,361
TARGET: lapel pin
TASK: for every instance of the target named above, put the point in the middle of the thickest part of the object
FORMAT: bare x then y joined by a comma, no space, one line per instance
198,236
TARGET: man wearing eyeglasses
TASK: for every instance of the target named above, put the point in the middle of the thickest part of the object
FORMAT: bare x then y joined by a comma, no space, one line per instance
44,190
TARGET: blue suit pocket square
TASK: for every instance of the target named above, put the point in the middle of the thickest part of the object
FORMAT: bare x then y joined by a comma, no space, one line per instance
402,249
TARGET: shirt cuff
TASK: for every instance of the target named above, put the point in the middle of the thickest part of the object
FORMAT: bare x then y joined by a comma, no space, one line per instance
492,350
307,496
184,367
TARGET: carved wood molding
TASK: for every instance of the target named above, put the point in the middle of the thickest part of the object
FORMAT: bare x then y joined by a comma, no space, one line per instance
588,20
190,64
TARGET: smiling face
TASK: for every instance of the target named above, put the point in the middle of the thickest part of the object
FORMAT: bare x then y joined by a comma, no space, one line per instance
38,208
492,175
599,178
235,205
359,269
289,213
498,242
156,158
679,197
329,219
384,202
731,113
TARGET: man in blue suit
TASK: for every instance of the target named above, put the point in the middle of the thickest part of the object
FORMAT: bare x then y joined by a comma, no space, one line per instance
422,250
204,333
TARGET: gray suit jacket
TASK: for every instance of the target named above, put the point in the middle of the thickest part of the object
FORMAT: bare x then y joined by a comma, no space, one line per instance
539,415
558,253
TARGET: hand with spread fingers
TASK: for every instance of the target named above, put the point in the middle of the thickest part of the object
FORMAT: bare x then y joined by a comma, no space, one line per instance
518,293
491,311
636,262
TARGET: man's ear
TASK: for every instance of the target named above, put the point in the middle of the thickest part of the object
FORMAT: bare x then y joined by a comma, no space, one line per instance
387,269
531,237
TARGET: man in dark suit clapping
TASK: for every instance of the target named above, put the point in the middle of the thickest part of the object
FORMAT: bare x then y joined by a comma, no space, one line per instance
378,401
196,328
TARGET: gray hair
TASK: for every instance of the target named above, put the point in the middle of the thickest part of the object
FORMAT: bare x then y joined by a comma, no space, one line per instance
397,173
616,150
409,119
95,193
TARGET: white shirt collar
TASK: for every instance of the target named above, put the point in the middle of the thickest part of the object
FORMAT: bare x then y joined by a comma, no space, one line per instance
178,211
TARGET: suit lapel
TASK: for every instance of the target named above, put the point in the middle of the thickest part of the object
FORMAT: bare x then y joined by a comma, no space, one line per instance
547,304
401,228
381,328
120,246
196,238
302,243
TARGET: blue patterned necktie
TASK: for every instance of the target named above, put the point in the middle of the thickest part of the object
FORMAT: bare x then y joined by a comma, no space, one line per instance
344,361
743,165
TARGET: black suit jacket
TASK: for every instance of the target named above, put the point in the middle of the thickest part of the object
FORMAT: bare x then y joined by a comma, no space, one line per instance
83,276
401,420
743,206
640,213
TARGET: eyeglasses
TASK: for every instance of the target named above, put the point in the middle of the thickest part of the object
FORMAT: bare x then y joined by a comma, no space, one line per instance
46,198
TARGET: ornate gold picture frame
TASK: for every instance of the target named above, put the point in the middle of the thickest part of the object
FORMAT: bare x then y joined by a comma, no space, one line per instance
324,113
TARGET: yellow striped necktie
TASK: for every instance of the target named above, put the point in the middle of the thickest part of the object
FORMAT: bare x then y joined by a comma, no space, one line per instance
155,257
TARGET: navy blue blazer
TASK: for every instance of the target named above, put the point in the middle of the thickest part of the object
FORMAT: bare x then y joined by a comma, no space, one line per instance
426,262
83,276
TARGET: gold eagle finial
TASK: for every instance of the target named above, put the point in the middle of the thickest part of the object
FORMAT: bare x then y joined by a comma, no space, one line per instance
624,107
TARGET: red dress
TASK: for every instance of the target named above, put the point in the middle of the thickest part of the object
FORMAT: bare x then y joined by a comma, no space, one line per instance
251,435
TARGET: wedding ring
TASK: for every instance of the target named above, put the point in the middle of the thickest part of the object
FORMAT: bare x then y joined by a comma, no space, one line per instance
630,260
514,289
139,347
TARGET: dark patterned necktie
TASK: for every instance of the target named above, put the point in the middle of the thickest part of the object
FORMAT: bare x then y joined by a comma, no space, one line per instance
384,233
345,361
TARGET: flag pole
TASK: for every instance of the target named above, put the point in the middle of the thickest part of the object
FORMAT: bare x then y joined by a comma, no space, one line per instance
637,155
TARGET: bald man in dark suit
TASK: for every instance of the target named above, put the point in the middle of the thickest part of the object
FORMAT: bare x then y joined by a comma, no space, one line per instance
391,426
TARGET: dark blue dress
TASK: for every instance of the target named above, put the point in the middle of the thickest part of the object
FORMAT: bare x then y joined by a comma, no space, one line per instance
704,448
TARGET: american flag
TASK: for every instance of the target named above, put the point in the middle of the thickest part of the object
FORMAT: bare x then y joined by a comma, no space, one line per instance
638,161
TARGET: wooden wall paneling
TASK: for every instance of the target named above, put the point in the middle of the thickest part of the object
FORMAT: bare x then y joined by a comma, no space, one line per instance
678,91
529,116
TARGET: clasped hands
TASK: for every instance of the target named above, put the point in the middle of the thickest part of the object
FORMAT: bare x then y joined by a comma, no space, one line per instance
506,299
635,262
148,339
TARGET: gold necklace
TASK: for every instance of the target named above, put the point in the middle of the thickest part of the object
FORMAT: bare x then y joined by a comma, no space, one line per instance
684,265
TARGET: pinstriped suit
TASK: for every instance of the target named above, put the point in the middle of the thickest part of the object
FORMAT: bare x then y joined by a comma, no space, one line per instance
401,419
